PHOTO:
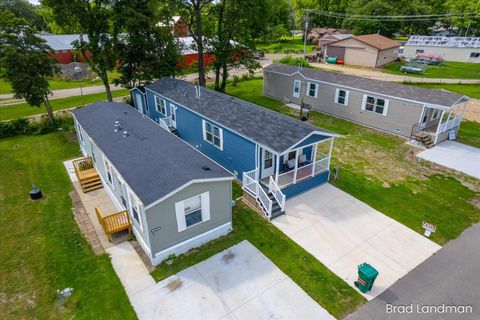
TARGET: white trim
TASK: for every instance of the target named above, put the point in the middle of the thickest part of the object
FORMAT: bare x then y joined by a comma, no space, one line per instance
117,204
337,95
361,90
297,94
191,243
164,105
375,101
294,146
168,195
138,208
308,89
220,132
139,237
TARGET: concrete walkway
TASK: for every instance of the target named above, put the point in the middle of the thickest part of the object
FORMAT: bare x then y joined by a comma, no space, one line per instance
343,232
379,75
238,283
455,156
450,277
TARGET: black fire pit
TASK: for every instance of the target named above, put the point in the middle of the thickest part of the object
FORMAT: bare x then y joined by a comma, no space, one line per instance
35,193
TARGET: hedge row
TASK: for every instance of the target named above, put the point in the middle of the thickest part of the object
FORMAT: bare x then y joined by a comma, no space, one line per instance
29,127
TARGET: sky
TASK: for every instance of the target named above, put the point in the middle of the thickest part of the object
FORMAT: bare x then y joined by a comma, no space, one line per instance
34,1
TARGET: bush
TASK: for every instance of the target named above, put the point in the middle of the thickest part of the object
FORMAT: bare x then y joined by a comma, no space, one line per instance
235,80
294,61
26,126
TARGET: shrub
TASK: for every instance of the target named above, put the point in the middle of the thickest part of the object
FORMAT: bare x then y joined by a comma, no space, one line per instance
235,80
294,61
29,127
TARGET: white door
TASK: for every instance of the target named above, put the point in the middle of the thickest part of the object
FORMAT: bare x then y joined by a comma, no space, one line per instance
139,103
173,114
423,120
267,164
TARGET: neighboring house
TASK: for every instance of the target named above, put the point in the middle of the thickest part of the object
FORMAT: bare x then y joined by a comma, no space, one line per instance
370,50
178,25
400,109
459,49
177,198
189,53
315,34
274,155
62,49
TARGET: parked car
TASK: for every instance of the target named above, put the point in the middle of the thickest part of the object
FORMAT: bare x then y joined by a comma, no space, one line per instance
258,54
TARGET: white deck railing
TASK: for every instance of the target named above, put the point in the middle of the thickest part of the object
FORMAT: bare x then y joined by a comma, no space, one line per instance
450,124
251,184
277,193
165,123
303,172
264,200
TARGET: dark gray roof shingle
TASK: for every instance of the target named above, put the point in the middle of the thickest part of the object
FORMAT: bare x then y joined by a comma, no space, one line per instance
430,96
267,127
152,161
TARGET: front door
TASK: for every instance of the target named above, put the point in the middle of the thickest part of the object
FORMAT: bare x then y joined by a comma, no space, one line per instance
267,163
423,120
173,113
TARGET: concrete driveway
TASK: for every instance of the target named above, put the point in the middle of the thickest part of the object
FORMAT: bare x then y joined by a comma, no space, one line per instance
343,232
455,156
238,283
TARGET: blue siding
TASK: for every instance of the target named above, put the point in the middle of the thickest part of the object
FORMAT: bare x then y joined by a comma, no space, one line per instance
153,113
312,139
305,185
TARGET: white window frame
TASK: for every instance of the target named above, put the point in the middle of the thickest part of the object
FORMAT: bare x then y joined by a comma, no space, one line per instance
212,126
309,84
435,114
160,108
475,54
297,84
337,96
135,204
109,170
375,104
181,216
79,129
139,102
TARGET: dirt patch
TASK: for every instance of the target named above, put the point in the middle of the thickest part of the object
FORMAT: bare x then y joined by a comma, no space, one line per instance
175,284
228,257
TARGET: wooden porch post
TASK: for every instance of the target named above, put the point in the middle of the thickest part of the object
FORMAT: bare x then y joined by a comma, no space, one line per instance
314,157
296,167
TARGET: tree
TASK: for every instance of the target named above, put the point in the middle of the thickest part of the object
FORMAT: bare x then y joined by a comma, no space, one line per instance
146,50
24,10
96,43
25,62
194,10
471,23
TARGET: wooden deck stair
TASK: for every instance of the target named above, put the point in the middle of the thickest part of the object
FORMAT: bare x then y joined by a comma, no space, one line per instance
425,138
114,223
86,174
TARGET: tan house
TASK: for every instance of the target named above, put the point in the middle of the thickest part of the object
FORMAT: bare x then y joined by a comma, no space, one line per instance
421,114
178,26
315,34
370,50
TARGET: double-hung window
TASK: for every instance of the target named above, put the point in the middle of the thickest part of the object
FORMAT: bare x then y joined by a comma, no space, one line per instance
108,169
213,134
376,105
341,96
312,89
135,212
297,85
435,114
161,105
268,161
475,55
192,211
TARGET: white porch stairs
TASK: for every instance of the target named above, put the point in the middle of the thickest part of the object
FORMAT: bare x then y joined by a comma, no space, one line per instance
269,198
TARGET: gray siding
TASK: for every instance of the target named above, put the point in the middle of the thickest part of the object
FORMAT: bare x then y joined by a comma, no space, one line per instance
163,214
400,118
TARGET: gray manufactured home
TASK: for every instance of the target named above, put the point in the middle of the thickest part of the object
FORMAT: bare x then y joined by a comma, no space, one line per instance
177,198
422,114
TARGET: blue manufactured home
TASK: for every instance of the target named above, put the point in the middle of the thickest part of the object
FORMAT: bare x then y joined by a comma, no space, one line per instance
275,156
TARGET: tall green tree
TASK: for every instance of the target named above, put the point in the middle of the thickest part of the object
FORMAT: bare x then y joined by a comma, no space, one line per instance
97,43
25,62
470,23
146,50
24,10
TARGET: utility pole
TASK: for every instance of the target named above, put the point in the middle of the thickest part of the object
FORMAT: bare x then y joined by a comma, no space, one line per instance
305,35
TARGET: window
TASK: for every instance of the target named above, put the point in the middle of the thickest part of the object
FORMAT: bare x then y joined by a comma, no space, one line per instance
341,97
109,170
79,130
139,102
435,114
312,90
297,85
124,202
213,134
135,209
376,105
268,161
475,55
160,105
419,51
192,211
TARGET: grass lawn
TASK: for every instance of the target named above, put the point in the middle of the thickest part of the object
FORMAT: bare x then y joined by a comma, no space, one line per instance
453,70
469,133
471,90
42,249
281,45
314,278
21,110
58,84
376,168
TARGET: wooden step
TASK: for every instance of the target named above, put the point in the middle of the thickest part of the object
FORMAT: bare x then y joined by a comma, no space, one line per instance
91,184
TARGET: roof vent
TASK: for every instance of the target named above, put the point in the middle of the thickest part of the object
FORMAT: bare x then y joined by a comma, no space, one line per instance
206,168
117,126
125,133
197,91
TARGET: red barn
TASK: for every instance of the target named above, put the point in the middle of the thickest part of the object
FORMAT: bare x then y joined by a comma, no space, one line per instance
62,49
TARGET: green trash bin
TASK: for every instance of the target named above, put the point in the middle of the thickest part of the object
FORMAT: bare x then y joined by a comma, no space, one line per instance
366,277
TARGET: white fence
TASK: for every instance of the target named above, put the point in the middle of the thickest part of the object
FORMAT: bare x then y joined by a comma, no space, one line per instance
251,184
450,124
277,193
165,123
